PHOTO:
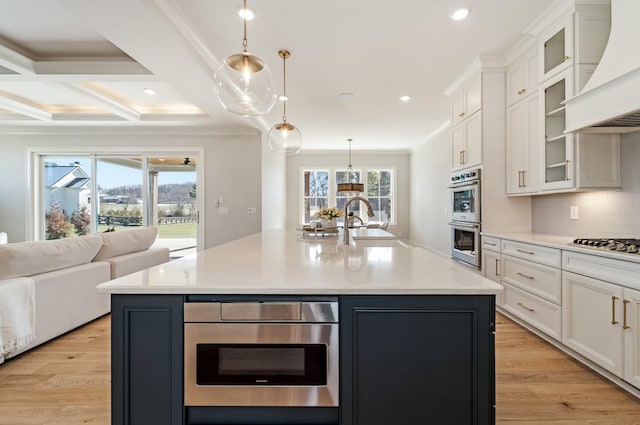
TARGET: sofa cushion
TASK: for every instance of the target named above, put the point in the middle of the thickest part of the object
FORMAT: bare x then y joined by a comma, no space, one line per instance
125,242
31,258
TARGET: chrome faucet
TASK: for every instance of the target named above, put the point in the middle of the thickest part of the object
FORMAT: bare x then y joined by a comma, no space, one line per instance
346,214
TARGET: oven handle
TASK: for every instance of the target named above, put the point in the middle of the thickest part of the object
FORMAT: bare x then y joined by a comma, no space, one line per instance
467,183
465,225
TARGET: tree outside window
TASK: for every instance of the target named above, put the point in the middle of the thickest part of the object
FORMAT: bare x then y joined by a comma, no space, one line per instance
316,192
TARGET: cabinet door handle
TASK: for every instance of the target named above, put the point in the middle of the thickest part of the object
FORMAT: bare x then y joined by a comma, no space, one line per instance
462,157
613,310
526,308
497,270
525,252
525,276
566,170
524,183
461,114
624,314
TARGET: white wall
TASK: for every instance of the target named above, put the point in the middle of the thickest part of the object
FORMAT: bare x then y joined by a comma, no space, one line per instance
400,161
430,172
232,170
600,214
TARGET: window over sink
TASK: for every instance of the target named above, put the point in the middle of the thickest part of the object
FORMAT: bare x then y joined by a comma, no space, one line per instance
319,190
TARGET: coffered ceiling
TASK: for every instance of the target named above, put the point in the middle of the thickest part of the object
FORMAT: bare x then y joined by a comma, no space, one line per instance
86,63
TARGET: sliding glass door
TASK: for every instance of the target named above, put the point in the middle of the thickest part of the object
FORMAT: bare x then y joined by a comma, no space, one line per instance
82,194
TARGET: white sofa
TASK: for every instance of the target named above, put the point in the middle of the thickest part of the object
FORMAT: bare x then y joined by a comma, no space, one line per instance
65,273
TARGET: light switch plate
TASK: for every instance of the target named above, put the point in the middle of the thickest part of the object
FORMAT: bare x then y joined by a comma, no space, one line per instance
251,210
573,213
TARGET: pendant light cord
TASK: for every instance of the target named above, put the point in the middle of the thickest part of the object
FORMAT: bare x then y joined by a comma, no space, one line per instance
284,85
244,19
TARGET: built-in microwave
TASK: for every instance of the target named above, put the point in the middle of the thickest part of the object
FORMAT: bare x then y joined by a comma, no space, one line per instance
261,353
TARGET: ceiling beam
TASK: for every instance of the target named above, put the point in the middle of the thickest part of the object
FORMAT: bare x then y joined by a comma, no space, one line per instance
20,106
105,101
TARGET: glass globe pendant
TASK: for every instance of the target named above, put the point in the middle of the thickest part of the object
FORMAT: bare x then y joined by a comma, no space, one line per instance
284,138
243,83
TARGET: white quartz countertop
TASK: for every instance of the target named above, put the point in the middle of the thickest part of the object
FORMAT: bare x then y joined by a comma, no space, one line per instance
565,243
281,262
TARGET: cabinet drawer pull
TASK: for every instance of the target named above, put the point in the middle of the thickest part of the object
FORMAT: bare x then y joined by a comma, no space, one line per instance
624,314
526,308
613,310
525,252
524,275
491,244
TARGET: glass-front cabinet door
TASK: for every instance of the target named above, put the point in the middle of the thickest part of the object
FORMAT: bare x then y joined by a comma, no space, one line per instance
558,148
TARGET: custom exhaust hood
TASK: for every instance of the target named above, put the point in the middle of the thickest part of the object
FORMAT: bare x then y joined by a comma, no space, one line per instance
610,100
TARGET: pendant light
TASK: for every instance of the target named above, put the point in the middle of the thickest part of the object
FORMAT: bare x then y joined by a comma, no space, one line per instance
350,187
285,138
243,82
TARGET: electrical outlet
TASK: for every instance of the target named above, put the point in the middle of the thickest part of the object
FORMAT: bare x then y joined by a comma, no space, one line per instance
251,210
223,210
573,213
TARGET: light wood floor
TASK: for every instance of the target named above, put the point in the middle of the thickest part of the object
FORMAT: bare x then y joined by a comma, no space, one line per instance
67,382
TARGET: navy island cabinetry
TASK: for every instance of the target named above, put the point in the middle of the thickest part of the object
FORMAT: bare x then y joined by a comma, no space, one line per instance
403,360
417,360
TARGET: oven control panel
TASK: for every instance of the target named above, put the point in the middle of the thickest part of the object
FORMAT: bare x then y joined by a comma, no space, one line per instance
465,176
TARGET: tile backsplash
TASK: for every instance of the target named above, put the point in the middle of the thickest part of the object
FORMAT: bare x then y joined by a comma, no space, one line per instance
600,213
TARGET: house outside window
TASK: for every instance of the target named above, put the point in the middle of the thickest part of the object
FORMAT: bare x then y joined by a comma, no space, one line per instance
379,189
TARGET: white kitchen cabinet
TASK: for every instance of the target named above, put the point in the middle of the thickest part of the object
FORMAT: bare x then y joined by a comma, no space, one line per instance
592,320
522,76
537,312
491,265
631,330
466,143
556,48
557,152
523,129
491,261
571,162
531,276
467,100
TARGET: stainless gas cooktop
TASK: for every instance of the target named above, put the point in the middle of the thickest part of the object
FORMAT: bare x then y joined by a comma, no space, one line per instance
628,245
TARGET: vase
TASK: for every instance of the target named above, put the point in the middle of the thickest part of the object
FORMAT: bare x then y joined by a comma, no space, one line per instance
327,223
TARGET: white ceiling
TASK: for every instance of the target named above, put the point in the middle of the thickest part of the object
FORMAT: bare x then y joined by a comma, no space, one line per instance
85,62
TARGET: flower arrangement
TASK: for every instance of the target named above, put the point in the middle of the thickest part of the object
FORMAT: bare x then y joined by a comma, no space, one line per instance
327,213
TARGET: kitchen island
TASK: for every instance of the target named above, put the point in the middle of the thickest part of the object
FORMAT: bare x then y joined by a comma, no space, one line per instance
416,341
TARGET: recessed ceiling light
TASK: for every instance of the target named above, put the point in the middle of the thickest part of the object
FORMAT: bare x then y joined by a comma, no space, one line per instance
405,98
149,91
460,14
246,13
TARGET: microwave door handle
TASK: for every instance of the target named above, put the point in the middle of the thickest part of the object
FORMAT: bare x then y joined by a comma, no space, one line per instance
465,225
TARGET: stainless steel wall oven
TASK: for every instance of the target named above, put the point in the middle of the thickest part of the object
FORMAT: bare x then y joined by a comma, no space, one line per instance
465,217
261,353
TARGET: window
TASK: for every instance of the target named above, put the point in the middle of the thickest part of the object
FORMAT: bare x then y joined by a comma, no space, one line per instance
315,192
378,189
319,190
